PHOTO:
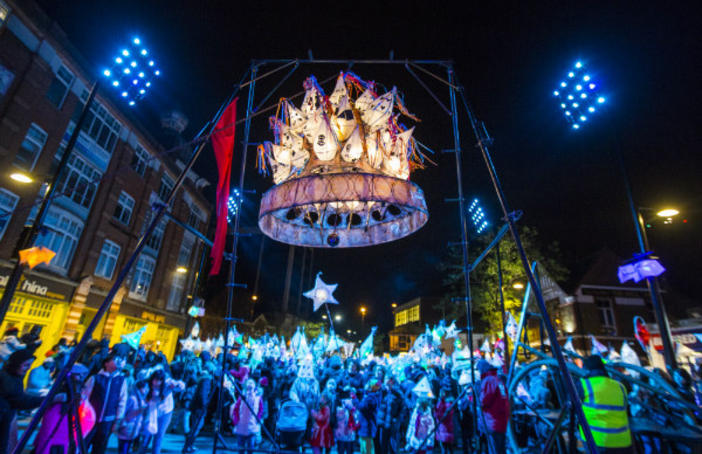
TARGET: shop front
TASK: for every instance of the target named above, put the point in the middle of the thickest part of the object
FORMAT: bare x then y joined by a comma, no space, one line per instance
41,300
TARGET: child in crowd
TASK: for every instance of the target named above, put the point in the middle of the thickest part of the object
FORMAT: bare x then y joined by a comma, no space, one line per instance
420,427
322,436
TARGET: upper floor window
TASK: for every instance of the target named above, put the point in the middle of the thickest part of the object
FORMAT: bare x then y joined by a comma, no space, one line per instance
79,181
176,293
166,187
156,237
140,160
100,126
60,84
4,12
143,274
108,259
61,232
186,249
8,203
605,311
124,208
194,216
31,147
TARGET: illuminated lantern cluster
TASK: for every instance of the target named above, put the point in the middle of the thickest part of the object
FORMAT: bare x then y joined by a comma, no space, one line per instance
477,216
341,165
578,96
233,204
132,72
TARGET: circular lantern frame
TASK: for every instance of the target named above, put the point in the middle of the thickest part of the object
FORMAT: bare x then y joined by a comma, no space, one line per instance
367,208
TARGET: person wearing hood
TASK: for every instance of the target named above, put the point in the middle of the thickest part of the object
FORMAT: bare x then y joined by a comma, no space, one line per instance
13,397
39,380
605,404
109,399
10,343
494,404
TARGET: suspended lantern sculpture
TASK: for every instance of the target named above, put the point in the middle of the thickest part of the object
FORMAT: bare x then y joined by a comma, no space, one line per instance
341,169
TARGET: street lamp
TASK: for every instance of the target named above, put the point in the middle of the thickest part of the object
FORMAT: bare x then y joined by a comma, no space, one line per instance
518,286
668,213
132,87
337,317
363,317
394,305
21,177
181,270
254,297
579,97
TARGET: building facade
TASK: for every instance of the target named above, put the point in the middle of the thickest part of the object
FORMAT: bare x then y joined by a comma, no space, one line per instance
105,197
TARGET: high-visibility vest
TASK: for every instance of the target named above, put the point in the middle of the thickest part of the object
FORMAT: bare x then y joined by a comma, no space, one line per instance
604,405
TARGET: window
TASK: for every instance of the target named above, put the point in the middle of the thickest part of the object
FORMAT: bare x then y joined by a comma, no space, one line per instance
140,160
124,208
60,234
59,86
194,217
176,293
606,314
166,187
99,125
413,314
156,237
8,203
143,274
108,259
400,318
31,147
80,181
186,249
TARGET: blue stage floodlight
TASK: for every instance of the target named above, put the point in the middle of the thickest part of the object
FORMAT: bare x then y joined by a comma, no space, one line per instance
136,73
578,100
477,216
233,204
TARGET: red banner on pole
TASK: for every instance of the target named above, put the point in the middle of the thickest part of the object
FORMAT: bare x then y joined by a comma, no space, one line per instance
223,145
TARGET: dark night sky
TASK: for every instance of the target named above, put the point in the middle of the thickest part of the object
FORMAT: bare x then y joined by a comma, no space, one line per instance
510,59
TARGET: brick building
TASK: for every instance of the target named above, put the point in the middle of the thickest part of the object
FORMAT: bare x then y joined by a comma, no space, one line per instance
115,174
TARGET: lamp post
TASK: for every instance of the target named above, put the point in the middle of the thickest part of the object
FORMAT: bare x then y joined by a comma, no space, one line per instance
579,98
131,74
363,318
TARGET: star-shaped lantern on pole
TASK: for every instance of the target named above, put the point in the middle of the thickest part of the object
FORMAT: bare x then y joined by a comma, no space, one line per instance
321,293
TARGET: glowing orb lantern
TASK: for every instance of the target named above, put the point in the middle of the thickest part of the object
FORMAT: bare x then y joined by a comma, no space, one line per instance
341,166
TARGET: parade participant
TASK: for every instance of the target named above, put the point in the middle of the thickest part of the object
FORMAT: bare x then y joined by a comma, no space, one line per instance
346,425
246,416
39,380
56,428
10,343
305,388
494,405
204,390
421,427
444,418
109,399
130,427
367,408
13,397
605,406
322,437
465,412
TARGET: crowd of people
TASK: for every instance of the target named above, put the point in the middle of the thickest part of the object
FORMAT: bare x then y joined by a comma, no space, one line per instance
318,402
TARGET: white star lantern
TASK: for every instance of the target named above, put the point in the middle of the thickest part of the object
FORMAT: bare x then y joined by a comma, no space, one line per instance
321,293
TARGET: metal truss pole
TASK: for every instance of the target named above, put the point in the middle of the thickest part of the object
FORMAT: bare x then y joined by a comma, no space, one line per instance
483,142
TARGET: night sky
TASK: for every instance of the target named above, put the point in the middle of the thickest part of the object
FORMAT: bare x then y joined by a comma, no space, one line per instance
568,183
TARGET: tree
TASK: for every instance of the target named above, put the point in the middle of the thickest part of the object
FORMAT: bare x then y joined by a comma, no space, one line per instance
485,296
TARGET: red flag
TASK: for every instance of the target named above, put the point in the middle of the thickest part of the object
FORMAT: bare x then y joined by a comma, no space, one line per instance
223,145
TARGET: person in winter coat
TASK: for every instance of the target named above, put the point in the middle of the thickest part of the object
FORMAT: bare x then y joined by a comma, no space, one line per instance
346,426
367,409
130,427
13,397
109,399
465,413
494,404
10,344
444,418
39,380
246,413
161,391
204,390
54,432
322,437
420,428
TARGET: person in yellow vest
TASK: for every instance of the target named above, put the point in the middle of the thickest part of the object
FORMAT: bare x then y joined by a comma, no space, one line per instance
605,406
